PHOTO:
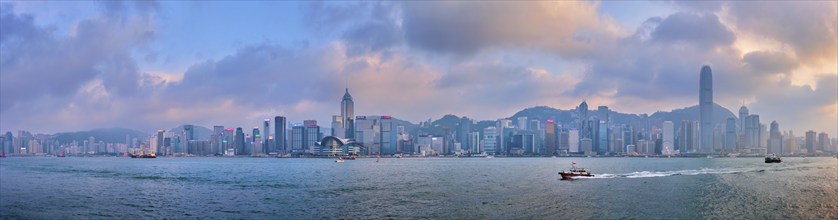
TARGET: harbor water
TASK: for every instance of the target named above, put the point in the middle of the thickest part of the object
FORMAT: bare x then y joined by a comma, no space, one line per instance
397,188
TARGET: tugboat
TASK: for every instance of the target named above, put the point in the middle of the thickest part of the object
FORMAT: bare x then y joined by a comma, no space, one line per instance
574,172
773,159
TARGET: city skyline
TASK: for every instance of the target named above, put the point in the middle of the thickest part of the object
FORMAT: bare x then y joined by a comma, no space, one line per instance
141,71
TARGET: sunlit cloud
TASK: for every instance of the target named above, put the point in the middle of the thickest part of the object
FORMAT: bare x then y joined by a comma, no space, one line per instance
110,65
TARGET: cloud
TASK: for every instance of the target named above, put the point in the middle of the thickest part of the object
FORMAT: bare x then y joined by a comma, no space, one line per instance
37,61
262,74
700,30
770,62
373,37
466,28
804,107
418,60
809,27
661,60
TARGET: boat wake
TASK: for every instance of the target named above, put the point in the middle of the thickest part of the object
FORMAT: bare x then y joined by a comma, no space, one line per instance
645,174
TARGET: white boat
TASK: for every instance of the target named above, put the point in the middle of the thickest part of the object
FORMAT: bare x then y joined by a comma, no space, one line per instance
490,156
339,161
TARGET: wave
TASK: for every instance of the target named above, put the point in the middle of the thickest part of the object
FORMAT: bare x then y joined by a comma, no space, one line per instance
646,174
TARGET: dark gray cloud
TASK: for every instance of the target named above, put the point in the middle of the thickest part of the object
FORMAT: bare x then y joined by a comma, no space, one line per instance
18,27
373,37
35,63
329,15
484,85
260,75
700,6
38,62
700,30
365,27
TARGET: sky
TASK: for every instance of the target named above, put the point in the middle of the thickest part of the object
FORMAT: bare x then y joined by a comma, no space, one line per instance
146,65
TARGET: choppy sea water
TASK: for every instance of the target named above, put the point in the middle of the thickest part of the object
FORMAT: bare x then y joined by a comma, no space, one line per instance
437,188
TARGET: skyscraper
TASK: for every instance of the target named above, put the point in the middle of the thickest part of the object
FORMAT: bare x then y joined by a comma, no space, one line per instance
602,138
337,126
490,140
312,134
573,140
668,142
743,113
730,135
463,130
267,146
256,143
582,117
387,137
347,111
823,142
603,114
550,138
522,123
8,143
189,132
216,140
811,141
790,145
474,142
752,132
688,138
297,137
279,138
160,149
501,147
775,139
705,98
240,144
583,110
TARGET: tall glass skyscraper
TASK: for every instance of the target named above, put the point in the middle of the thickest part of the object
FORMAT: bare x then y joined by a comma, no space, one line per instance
743,113
267,146
602,138
347,111
280,131
550,138
705,99
730,135
240,144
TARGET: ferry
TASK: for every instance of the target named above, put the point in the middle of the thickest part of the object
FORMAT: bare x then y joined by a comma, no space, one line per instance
575,172
143,154
773,159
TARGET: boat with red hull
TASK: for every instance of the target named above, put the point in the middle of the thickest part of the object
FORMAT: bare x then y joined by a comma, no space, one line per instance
575,172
